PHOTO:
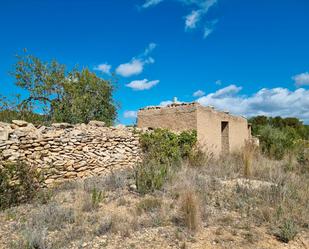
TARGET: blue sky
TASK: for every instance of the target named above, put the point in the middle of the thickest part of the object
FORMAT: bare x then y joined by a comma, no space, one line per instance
248,57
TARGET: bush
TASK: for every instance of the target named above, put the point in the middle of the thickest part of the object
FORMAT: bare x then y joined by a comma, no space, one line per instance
34,239
19,183
287,231
52,216
303,156
275,143
163,153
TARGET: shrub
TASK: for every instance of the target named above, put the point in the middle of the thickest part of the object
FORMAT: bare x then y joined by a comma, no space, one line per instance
52,216
163,153
287,231
303,156
34,239
19,183
150,175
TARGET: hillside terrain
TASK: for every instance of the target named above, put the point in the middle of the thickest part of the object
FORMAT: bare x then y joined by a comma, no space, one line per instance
214,206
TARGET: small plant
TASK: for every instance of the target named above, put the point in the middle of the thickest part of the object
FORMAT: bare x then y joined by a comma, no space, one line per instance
96,197
190,210
51,216
19,183
34,239
287,231
148,204
150,176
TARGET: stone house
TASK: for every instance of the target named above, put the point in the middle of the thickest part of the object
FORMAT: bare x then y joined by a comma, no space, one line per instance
218,132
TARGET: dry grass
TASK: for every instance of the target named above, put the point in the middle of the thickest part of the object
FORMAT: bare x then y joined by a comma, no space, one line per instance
213,195
189,210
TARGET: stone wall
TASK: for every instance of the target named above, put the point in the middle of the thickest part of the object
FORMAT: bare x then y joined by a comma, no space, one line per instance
63,151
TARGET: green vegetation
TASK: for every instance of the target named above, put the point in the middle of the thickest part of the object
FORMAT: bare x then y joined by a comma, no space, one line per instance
287,231
19,183
279,136
163,152
96,198
75,96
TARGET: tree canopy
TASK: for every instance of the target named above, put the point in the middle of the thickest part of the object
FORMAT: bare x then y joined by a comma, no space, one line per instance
279,136
73,96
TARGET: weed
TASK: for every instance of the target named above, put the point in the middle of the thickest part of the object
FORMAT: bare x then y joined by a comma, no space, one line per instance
96,197
287,231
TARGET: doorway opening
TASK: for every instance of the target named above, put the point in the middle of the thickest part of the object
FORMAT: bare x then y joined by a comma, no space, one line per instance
225,142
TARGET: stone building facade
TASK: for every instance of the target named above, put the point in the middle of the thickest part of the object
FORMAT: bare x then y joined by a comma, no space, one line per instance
218,132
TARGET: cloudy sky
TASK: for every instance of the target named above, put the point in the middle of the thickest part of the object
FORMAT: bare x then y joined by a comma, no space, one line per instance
247,57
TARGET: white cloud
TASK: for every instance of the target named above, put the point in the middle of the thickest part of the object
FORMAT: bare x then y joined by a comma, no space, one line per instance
149,49
130,114
141,85
227,91
192,19
198,93
209,28
104,68
301,79
150,3
269,102
200,9
136,65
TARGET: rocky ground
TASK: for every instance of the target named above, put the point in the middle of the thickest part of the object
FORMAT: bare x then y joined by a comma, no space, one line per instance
108,212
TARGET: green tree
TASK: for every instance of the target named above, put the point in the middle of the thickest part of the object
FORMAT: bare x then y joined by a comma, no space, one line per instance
64,96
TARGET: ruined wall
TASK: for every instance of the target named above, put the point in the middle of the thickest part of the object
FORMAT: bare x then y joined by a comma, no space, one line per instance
176,117
64,151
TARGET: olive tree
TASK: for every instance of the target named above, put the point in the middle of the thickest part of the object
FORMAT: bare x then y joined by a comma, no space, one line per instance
75,96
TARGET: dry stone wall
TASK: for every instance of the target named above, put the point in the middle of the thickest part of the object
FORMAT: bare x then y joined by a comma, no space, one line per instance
64,151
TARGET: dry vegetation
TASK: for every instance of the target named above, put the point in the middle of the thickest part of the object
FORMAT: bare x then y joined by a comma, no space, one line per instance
240,201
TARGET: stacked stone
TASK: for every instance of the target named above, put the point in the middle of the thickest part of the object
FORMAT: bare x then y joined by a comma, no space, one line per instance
65,152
